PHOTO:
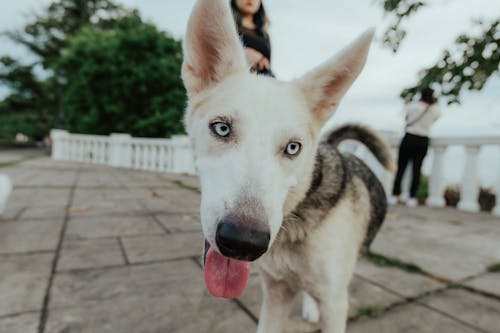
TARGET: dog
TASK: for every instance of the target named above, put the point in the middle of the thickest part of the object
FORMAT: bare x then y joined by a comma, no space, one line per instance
273,188
5,190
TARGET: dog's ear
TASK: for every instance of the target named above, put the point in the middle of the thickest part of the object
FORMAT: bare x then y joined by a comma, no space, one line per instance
212,49
325,85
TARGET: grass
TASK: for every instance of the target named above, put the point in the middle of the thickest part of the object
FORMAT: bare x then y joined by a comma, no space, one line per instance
383,261
494,268
187,187
372,311
9,164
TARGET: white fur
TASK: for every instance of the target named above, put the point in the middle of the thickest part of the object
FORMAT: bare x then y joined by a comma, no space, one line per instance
265,115
5,190
310,310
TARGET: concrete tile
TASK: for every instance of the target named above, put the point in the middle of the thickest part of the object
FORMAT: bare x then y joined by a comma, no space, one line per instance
363,294
94,196
152,315
180,222
165,247
109,226
403,283
489,283
35,196
24,323
29,236
252,296
75,288
409,318
91,253
109,207
37,212
177,201
166,297
183,180
23,280
12,211
49,178
102,178
418,242
475,309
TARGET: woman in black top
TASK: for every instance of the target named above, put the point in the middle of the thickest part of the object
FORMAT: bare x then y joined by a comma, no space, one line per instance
251,21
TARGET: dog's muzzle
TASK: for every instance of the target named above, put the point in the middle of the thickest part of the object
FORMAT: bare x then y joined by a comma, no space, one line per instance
239,241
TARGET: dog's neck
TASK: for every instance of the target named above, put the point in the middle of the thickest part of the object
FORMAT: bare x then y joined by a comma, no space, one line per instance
325,184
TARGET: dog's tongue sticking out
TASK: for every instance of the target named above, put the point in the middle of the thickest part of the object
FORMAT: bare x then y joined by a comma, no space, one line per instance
225,277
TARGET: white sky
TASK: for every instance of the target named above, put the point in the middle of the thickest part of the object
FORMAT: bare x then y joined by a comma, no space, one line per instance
304,33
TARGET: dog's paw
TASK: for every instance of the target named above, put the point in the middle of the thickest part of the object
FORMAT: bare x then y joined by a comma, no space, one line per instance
310,310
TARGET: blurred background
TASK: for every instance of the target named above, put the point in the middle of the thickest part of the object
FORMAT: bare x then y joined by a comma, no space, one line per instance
98,67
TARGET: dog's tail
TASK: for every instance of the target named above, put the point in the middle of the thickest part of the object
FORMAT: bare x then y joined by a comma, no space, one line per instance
368,137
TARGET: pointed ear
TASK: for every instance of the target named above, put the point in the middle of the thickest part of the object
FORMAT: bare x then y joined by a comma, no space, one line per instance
212,49
325,85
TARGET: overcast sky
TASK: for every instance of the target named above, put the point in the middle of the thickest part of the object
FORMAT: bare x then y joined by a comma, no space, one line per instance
304,33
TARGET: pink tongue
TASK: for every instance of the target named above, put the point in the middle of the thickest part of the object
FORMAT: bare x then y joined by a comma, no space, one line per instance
225,277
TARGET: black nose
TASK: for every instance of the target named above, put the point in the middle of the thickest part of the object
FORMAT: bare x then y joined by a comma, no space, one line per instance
238,241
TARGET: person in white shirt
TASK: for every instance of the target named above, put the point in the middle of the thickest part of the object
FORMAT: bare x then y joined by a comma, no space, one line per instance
419,117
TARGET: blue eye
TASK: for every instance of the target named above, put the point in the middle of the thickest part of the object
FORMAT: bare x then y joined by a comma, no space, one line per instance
293,148
221,129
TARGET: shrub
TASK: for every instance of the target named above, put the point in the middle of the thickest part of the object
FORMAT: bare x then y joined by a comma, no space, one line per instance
452,195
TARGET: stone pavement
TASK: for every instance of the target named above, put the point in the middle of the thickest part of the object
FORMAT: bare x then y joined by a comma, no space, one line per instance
96,249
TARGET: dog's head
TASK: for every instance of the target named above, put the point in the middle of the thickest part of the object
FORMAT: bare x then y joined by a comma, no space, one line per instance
254,138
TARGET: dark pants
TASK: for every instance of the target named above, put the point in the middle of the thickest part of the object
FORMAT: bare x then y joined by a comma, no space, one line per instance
413,148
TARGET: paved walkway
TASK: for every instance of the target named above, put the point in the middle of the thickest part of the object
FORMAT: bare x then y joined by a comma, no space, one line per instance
96,249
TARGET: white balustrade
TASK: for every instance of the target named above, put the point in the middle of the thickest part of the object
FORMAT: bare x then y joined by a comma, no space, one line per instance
122,150
436,181
496,211
174,155
469,188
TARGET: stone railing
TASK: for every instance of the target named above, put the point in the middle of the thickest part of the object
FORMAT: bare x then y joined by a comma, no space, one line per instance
121,150
469,186
174,155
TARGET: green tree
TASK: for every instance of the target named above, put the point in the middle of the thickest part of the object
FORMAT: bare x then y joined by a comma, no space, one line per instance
123,80
467,65
45,36
28,107
32,104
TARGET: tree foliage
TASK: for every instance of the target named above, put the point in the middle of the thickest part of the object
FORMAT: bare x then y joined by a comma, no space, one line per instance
105,68
400,10
28,107
123,80
467,65
46,35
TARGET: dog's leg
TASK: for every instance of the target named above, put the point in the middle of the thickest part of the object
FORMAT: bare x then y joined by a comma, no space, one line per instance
333,311
276,306
310,311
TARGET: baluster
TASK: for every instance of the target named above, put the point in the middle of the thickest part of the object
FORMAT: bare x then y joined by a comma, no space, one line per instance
436,181
81,150
137,156
153,157
161,158
102,152
496,211
469,191
145,157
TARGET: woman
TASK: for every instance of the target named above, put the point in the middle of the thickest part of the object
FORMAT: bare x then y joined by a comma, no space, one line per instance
419,117
252,22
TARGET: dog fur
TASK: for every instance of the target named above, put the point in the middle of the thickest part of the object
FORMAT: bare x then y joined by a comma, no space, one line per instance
321,207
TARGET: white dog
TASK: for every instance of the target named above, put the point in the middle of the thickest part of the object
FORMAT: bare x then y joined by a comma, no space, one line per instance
5,190
271,188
